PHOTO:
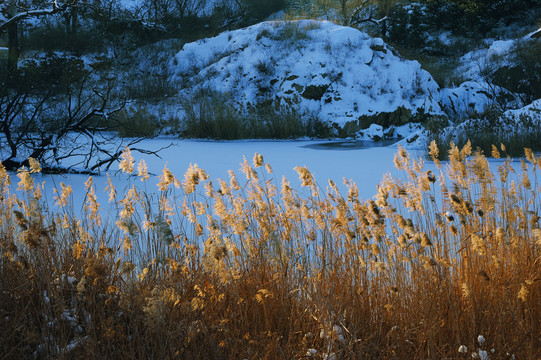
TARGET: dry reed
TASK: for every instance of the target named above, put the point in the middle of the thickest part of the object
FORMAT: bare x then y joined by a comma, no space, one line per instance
249,268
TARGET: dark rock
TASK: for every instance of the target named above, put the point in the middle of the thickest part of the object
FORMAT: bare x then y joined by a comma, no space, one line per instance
314,92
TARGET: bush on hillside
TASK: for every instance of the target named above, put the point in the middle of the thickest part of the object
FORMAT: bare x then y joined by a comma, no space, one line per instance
523,76
411,25
408,26
135,122
261,9
51,38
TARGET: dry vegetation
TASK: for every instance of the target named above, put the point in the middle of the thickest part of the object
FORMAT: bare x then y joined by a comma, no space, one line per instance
250,269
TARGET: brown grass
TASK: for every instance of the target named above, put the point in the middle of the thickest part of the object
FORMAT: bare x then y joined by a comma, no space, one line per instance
247,268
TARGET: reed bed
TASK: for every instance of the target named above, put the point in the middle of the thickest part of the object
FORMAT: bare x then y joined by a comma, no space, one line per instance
439,265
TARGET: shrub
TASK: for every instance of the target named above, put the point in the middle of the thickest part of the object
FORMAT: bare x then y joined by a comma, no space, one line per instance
56,38
258,10
263,34
136,122
54,74
407,27
295,31
264,68
208,115
152,88
477,17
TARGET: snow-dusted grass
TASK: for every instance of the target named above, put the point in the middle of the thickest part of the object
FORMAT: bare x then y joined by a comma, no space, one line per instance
256,267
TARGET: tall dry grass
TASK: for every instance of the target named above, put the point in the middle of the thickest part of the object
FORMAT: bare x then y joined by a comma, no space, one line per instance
250,268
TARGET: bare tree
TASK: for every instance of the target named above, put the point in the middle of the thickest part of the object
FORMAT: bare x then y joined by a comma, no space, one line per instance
189,7
17,10
159,10
343,10
376,12
59,114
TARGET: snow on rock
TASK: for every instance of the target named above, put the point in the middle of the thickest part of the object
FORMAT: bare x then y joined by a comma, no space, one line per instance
519,121
374,132
495,55
530,112
474,63
336,73
468,98
415,137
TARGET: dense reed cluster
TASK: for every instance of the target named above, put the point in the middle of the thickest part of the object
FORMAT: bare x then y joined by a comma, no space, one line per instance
250,268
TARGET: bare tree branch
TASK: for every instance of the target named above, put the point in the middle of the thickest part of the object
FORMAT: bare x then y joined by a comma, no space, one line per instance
77,123
356,20
36,12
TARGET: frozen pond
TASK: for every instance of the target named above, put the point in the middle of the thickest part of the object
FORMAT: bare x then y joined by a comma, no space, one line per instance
364,165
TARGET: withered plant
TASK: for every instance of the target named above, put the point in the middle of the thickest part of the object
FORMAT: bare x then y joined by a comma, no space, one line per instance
252,267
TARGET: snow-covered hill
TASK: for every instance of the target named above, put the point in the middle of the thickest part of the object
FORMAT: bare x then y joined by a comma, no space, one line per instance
336,73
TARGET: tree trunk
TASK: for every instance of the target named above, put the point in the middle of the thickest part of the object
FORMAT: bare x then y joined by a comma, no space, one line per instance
344,11
13,47
73,23
13,39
